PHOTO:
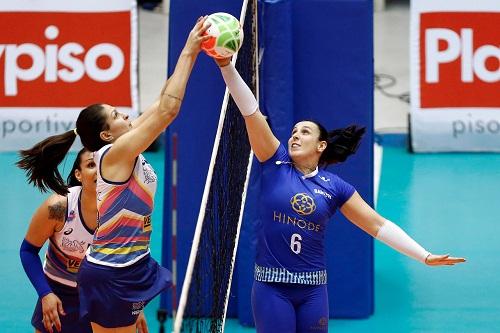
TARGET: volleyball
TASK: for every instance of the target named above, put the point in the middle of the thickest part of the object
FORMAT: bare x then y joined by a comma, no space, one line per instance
226,33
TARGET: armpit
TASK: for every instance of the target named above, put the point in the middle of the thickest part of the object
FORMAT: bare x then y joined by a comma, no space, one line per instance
57,211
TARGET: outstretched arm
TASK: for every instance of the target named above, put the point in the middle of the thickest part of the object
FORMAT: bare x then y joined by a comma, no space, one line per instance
120,158
264,143
361,214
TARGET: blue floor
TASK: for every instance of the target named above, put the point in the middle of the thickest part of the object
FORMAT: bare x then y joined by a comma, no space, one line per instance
445,201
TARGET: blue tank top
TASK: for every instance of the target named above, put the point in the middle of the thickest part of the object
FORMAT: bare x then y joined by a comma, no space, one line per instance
294,212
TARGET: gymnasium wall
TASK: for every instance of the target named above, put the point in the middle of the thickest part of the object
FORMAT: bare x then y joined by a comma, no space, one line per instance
317,62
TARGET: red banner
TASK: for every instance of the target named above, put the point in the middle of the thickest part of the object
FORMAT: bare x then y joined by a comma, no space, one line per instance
53,59
460,59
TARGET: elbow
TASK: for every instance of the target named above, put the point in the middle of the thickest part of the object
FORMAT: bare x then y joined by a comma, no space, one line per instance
377,227
171,109
173,112
27,250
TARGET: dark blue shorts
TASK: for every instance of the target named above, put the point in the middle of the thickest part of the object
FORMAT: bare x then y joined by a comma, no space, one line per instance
70,323
114,296
291,308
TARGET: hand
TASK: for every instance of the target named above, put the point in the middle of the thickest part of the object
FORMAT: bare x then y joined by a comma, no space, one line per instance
196,37
441,260
223,62
141,324
51,308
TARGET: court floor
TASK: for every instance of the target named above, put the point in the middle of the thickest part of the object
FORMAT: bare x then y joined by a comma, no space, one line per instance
448,202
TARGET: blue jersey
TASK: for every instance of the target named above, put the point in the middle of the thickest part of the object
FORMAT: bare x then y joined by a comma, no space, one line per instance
294,212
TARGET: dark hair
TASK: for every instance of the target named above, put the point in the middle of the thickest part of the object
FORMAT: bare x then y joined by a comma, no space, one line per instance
340,143
71,180
40,162
91,121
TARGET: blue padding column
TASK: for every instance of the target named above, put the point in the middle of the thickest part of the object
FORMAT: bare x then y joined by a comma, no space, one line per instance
317,63
333,83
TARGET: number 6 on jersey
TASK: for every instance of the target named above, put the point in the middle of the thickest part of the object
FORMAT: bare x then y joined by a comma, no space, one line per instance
295,243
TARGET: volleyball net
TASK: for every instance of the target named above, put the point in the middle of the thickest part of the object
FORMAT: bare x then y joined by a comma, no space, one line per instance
207,284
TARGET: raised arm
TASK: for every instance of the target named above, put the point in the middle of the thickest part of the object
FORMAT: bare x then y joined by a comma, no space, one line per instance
264,143
149,125
151,109
361,214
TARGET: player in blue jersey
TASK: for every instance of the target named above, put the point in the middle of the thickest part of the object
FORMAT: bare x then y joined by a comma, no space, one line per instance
118,277
298,199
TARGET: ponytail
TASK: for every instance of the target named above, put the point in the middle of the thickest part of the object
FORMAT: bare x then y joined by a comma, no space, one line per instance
341,143
40,162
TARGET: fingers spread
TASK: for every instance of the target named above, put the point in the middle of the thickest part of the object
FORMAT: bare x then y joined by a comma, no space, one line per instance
60,309
199,23
57,323
47,323
205,38
205,27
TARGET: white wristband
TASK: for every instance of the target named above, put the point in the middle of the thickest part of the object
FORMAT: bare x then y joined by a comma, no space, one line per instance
242,95
399,240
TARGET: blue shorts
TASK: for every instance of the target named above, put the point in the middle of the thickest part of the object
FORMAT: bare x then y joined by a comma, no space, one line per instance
115,296
70,323
288,307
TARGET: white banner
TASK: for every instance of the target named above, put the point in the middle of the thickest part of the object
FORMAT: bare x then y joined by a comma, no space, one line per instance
455,75
57,57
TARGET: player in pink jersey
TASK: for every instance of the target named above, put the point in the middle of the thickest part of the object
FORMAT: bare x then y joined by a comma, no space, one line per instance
68,223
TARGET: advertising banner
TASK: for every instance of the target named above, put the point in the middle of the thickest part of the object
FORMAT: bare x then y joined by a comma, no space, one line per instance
56,57
455,75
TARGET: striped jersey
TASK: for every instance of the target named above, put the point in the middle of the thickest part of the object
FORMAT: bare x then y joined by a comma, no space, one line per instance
67,247
124,223
294,212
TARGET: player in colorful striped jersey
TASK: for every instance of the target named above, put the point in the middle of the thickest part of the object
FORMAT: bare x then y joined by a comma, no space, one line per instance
118,277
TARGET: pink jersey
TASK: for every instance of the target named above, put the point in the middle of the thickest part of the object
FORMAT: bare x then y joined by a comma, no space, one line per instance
67,247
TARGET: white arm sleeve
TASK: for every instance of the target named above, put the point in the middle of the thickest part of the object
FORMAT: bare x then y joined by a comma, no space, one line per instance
242,95
399,240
